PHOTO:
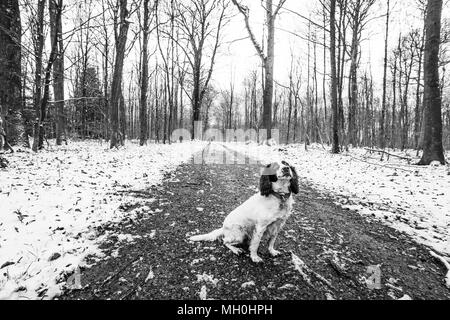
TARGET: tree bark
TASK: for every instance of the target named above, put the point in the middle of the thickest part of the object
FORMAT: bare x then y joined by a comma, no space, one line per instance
116,91
432,142
58,69
394,102
383,103
144,77
41,111
269,68
38,52
334,100
419,102
267,60
353,96
11,94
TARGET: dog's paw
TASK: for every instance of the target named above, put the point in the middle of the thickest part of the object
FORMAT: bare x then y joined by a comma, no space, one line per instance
237,251
274,253
256,259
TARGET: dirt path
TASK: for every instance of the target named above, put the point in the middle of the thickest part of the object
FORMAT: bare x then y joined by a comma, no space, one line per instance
337,247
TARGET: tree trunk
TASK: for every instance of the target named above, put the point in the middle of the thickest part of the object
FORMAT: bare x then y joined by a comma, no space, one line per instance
38,52
41,111
11,98
58,70
116,91
196,103
334,101
419,105
144,77
353,96
383,103
432,142
122,118
268,60
324,79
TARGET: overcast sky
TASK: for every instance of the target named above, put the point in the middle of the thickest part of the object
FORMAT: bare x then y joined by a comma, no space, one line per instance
239,58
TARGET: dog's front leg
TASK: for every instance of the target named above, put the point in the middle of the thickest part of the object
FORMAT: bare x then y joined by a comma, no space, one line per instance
273,252
273,238
254,244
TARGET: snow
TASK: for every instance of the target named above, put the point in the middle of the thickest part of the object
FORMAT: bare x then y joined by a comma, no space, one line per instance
412,199
150,275
248,284
55,202
203,293
207,278
447,266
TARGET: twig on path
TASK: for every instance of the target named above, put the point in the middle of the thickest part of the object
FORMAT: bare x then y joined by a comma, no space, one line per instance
303,269
132,291
336,267
115,275
446,264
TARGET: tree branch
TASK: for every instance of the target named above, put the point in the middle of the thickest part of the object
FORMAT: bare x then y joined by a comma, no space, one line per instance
244,11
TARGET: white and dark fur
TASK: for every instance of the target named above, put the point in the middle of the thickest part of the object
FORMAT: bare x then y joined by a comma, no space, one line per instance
263,214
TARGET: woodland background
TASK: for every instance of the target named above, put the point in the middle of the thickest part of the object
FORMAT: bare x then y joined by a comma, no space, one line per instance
117,70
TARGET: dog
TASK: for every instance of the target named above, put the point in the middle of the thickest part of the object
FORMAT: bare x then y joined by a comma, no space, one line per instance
264,214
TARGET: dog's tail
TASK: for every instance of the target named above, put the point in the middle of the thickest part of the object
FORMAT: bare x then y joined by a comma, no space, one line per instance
212,236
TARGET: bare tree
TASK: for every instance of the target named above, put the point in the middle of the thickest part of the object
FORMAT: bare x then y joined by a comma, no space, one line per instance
58,68
383,103
267,58
11,98
116,91
38,42
432,142
200,23
419,47
144,76
41,107
334,100
358,12
394,69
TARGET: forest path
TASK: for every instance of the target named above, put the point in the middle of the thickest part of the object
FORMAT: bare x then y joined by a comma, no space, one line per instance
328,252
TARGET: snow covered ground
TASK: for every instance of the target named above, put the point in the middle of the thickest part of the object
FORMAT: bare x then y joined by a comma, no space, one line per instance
412,199
51,204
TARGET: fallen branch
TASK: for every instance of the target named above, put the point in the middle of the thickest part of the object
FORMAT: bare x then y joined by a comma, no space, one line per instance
303,269
382,152
446,264
116,274
377,164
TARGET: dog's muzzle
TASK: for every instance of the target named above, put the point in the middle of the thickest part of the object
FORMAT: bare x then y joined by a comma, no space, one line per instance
286,171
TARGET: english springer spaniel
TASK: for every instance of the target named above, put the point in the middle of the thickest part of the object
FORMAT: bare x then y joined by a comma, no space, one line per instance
264,214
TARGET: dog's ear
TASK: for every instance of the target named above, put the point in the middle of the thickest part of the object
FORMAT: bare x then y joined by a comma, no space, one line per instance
265,185
294,181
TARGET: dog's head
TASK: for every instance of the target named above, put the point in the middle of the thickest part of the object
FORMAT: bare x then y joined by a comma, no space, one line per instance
278,177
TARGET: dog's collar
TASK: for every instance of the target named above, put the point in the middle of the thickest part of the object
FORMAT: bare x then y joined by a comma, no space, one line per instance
281,196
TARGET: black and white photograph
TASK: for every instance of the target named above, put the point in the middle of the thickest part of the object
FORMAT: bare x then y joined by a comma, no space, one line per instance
225,155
